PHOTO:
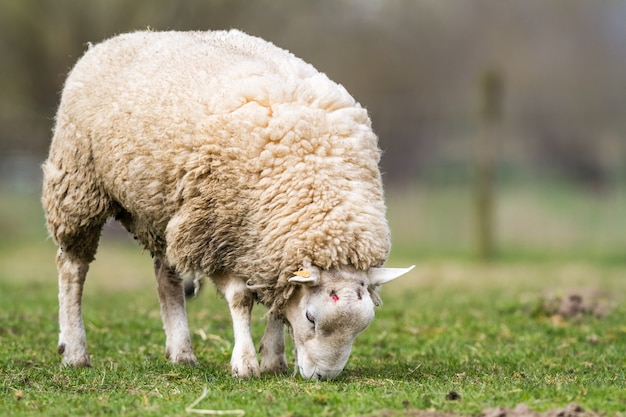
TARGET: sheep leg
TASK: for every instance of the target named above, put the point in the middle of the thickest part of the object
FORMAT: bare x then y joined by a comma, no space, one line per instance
272,347
172,299
72,338
244,363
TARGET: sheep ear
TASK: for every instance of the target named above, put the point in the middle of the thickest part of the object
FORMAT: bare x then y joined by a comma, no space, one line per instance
380,276
305,276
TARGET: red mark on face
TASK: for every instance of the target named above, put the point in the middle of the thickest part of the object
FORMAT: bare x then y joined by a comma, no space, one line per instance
334,296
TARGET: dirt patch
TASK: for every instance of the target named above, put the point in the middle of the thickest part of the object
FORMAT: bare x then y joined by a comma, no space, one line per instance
576,303
521,410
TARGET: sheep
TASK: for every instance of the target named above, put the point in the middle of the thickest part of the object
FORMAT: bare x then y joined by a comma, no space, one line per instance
228,157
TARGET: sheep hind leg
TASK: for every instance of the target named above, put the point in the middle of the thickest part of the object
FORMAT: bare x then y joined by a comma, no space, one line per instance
172,300
76,251
244,363
72,338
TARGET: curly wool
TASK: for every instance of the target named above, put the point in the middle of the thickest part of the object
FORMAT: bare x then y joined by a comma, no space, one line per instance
220,152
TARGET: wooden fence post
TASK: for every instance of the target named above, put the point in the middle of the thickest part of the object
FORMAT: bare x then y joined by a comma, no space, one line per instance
491,87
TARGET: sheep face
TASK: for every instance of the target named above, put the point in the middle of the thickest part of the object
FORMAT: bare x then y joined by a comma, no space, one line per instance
327,313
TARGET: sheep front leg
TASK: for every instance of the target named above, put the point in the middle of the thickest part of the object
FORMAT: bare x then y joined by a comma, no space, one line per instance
72,338
272,347
172,299
244,363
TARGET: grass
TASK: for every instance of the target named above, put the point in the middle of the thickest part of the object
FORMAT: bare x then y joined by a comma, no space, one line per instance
452,325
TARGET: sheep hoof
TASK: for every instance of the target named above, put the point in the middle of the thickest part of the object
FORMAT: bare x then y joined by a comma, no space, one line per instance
274,365
184,358
246,370
73,357
80,361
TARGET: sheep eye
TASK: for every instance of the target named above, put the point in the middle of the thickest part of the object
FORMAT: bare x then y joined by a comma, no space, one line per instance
310,318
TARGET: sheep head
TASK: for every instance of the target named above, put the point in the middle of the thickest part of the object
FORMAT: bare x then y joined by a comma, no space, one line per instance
328,311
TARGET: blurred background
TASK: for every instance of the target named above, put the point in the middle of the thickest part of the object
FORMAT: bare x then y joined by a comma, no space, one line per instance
503,123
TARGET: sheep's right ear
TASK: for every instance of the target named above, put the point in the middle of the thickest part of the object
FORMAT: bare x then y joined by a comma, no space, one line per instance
306,276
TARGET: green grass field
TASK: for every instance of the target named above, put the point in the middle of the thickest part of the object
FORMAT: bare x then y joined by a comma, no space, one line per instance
489,333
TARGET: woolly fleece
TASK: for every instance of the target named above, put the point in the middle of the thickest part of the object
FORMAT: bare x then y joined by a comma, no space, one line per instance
221,153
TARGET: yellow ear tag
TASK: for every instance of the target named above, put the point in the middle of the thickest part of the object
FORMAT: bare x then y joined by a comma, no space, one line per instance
304,273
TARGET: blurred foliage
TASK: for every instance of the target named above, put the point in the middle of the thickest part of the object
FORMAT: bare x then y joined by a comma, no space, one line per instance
415,64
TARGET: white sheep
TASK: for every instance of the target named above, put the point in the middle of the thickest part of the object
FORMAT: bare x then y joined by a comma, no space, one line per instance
226,157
